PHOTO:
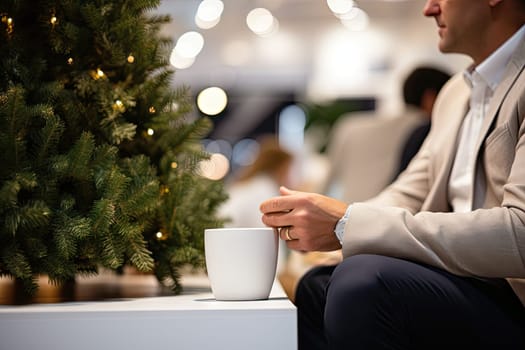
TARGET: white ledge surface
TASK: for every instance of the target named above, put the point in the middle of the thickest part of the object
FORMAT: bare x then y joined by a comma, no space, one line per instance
195,321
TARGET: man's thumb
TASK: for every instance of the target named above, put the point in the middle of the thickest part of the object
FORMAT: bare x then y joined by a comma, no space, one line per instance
285,191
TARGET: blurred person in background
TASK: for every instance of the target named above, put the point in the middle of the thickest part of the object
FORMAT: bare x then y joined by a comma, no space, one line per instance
367,149
420,90
255,183
437,259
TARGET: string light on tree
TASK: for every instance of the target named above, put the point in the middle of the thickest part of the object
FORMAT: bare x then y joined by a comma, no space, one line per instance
151,132
98,74
152,110
161,236
53,20
131,58
70,60
9,24
119,106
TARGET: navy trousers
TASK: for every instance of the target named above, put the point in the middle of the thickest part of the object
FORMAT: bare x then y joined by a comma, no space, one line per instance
378,302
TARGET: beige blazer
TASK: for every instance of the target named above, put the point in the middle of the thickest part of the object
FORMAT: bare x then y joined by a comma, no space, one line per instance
412,219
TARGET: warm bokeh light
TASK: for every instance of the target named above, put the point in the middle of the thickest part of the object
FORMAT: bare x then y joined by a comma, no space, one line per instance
206,25
212,100
180,62
215,168
209,13
343,64
356,19
261,21
340,7
189,44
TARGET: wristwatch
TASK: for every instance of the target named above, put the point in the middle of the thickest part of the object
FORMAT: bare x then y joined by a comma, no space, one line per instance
340,226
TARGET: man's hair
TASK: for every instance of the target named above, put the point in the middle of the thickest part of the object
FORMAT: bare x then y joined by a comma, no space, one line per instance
422,79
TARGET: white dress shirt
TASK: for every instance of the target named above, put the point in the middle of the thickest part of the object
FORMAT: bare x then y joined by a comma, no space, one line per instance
484,79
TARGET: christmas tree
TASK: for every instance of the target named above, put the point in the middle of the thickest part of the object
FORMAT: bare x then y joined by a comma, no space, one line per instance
99,157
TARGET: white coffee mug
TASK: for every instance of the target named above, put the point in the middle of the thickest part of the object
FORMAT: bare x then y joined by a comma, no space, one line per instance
241,262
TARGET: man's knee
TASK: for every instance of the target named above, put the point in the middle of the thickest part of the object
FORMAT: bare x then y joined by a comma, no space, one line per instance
358,301
361,273
313,283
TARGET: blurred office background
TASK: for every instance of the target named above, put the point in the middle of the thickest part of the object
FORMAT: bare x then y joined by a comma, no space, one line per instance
292,67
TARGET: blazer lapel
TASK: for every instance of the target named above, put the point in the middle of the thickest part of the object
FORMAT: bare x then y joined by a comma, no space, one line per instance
514,67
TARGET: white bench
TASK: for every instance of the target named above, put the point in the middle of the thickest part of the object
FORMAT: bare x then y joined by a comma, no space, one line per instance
185,322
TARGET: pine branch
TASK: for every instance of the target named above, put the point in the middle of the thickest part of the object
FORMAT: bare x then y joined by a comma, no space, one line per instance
102,215
82,184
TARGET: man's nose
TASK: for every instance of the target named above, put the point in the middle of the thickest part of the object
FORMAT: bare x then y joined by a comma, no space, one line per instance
431,8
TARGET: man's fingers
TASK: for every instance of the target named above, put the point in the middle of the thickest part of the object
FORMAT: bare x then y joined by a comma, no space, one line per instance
275,219
276,205
285,191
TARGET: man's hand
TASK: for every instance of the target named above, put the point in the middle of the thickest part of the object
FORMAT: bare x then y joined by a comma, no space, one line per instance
305,220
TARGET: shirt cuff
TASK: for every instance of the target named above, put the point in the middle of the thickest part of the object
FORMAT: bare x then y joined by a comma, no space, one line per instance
340,226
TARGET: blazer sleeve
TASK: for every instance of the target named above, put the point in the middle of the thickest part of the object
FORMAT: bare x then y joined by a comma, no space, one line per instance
487,242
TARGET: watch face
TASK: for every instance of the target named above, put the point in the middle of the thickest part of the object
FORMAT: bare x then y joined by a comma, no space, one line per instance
340,226
340,229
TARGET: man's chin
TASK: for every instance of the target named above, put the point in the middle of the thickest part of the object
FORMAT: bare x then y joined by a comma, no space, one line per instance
444,48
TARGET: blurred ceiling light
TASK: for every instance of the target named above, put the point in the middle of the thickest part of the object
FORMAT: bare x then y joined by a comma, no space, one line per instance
214,168
261,21
340,7
274,29
340,64
209,13
206,25
236,53
189,44
212,100
180,62
285,48
354,12
356,20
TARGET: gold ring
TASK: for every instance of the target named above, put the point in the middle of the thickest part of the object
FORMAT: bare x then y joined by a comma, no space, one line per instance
287,233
